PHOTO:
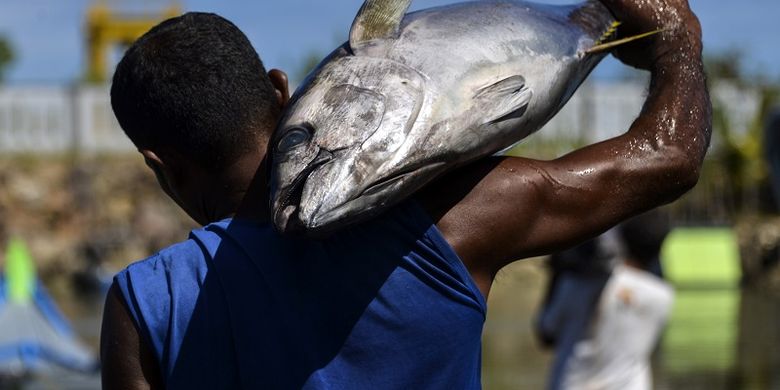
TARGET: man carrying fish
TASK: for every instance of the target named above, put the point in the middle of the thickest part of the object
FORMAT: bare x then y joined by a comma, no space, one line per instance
394,301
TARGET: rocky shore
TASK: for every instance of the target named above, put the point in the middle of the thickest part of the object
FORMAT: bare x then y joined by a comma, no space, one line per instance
82,214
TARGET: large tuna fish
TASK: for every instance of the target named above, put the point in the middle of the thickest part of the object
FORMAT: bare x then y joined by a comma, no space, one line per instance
411,96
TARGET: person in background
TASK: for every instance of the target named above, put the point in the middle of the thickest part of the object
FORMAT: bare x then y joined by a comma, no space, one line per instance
632,311
577,278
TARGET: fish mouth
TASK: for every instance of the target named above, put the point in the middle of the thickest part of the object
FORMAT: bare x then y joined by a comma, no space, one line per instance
285,216
367,204
380,185
411,172
325,221
372,201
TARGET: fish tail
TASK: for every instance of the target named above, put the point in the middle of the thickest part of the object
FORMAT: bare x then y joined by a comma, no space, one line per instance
592,17
602,46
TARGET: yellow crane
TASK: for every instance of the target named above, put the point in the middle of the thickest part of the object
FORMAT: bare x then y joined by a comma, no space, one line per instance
106,27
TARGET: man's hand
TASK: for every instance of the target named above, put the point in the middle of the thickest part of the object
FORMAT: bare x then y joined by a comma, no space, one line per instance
681,31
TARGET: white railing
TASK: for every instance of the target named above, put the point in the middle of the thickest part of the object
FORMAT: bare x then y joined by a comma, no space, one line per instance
59,119
62,119
597,111
600,110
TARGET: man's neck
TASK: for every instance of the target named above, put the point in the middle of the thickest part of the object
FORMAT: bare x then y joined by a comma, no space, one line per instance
252,201
239,191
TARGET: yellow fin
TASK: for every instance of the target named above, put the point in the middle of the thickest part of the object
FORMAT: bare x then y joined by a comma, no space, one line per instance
611,30
599,47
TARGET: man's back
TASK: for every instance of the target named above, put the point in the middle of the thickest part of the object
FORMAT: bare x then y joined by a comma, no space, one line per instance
387,304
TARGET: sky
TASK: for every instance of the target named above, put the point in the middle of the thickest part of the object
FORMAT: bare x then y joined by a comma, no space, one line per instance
50,47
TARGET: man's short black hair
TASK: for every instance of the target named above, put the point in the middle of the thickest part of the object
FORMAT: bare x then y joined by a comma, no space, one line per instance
644,235
194,84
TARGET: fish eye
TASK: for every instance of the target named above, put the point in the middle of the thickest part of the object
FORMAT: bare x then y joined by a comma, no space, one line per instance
293,138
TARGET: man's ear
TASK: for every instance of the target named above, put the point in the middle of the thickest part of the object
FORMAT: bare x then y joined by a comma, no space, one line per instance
152,160
163,167
280,83
167,171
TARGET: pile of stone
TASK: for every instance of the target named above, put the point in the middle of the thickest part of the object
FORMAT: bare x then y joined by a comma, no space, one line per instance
82,214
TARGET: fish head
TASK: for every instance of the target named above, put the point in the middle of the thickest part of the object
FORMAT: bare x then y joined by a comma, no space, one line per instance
337,137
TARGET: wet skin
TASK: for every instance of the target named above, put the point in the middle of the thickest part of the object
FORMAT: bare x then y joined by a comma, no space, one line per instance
498,210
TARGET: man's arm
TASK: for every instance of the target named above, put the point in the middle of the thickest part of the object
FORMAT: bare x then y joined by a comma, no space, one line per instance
127,362
503,209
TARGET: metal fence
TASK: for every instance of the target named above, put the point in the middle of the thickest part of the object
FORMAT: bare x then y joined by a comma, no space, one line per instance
61,119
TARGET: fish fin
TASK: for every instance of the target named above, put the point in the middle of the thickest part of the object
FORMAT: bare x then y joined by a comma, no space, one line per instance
506,99
592,16
600,46
609,33
377,19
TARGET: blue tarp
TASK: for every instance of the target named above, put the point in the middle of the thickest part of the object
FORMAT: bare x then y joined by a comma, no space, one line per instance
35,337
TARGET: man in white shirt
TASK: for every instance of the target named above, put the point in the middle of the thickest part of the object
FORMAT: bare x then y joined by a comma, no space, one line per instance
631,313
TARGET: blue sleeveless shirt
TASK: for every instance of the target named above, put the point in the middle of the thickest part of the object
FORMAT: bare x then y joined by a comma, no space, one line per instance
383,305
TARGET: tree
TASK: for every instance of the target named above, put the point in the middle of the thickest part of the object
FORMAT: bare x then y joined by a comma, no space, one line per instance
6,56
738,151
